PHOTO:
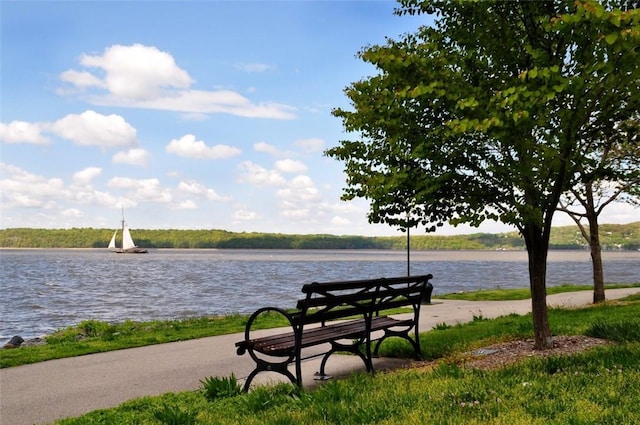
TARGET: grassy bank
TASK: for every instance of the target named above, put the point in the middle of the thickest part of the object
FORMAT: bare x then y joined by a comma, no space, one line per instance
598,386
93,336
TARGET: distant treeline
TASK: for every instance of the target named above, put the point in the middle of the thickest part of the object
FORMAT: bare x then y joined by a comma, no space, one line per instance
613,237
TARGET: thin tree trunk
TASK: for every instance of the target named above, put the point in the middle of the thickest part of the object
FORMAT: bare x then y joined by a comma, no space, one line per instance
537,249
596,259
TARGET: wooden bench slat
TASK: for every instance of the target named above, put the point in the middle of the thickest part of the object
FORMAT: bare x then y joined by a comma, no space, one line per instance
282,344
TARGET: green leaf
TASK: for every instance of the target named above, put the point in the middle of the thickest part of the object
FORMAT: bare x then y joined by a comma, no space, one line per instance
611,38
615,19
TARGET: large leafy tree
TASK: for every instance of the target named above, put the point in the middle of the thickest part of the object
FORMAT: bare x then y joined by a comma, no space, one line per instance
488,114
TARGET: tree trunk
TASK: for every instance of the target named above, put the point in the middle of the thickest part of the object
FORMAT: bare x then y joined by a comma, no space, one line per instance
596,259
537,249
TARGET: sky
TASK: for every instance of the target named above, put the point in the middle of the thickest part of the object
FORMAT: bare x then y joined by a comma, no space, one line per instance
188,115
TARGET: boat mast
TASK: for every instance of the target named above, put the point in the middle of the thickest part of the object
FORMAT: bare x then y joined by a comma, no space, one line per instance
122,246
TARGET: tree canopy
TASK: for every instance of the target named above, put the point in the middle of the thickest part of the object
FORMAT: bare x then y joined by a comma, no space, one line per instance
490,114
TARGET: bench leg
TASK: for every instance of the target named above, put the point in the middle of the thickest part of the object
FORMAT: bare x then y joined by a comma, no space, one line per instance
335,347
281,368
415,342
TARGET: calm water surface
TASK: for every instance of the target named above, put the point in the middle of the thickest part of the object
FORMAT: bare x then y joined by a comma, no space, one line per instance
43,290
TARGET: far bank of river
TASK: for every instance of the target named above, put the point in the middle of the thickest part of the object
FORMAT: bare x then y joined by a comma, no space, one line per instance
46,289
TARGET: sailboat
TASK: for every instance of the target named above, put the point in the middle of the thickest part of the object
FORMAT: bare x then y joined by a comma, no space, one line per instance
128,246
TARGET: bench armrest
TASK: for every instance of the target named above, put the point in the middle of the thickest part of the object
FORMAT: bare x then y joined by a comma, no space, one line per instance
243,345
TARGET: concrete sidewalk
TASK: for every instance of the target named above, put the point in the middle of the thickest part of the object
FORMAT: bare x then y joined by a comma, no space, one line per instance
44,392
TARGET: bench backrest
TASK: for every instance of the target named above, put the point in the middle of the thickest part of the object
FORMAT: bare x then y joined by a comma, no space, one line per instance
326,301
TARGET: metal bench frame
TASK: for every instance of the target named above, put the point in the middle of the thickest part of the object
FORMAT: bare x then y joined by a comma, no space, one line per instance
343,314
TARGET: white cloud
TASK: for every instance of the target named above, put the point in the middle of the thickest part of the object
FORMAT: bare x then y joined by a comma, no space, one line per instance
72,212
266,148
23,132
23,189
188,146
255,174
137,156
89,196
290,166
84,177
198,189
296,213
93,129
141,76
82,79
245,215
300,189
310,145
254,67
136,72
340,221
300,200
140,190
187,205
208,102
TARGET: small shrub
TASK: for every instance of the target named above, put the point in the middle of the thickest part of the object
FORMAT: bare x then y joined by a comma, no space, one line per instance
174,416
216,388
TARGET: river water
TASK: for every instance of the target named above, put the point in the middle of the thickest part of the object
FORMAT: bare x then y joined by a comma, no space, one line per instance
48,289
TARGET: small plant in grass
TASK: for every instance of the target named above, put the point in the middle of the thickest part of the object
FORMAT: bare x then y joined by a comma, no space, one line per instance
215,387
478,317
619,331
441,326
265,398
175,416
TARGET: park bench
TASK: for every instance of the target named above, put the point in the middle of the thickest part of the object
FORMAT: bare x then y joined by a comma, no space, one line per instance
349,316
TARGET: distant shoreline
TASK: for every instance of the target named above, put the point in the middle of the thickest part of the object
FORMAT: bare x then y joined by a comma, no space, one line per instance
613,237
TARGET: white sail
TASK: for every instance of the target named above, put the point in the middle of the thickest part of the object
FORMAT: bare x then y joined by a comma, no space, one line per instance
112,243
128,246
127,240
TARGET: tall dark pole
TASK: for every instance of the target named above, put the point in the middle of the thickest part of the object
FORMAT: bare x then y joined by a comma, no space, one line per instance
408,251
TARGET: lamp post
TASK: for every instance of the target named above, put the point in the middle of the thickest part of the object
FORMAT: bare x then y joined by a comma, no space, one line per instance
408,251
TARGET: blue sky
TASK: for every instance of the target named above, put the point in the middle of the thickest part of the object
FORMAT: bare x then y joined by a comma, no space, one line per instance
190,115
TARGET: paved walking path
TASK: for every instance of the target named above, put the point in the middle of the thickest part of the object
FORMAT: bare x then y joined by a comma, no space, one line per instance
44,392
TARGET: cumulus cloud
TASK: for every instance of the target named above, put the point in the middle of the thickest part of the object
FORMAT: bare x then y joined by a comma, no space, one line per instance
84,177
142,189
266,148
93,129
290,166
198,189
188,146
133,72
257,175
23,132
142,76
300,189
137,156
20,188
82,79
72,212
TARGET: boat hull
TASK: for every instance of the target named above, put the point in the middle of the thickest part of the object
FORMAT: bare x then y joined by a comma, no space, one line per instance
132,251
